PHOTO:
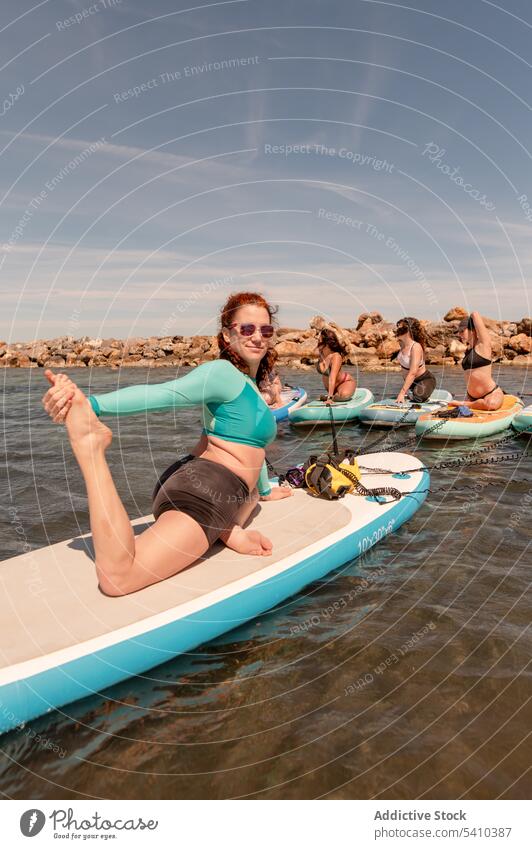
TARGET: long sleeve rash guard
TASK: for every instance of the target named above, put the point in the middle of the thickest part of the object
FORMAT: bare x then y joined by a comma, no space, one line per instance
232,406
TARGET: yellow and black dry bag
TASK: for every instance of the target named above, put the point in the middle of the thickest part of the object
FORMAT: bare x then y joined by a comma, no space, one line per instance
328,477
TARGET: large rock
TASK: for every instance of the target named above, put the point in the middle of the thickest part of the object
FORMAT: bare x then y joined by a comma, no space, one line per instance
523,360
438,333
521,343
85,355
497,344
525,326
435,356
16,359
286,331
40,353
354,336
387,348
54,362
72,361
457,349
492,324
375,332
369,318
285,349
318,323
455,314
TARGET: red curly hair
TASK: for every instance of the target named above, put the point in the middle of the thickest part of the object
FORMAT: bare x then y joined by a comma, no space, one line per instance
227,314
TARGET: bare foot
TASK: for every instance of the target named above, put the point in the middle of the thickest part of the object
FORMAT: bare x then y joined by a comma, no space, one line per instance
248,542
86,432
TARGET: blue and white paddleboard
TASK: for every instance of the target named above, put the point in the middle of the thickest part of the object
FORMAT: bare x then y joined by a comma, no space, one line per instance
388,413
293,398
316,413
62,639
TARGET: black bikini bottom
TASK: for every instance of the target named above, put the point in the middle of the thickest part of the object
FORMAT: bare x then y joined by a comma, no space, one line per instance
480,397
206,491
422,387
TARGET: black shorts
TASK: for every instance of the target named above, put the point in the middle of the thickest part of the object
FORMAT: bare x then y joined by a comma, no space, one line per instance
206,491
422,387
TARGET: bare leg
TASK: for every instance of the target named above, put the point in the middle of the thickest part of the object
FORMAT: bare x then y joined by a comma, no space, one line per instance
125,564
493,402
345,391
242,541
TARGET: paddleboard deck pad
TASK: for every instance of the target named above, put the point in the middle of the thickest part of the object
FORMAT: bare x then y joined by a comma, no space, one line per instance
481,423
317,412
63,640
293,399
388,413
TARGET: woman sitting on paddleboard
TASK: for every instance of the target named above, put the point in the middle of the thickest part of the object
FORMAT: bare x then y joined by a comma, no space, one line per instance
482,391
340,385
419,382
205,496
270,389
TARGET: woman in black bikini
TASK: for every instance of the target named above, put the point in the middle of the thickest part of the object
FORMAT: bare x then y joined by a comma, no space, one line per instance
340,385
482,391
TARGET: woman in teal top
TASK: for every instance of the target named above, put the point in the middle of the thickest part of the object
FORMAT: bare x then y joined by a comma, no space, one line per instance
207,495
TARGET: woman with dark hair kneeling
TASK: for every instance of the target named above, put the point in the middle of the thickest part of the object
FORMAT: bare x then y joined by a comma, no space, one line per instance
205,496
482,391
340,384
419,382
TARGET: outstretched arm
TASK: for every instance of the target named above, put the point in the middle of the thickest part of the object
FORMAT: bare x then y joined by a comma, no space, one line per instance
215,382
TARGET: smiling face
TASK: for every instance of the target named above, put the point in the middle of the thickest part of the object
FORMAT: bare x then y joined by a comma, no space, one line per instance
250,348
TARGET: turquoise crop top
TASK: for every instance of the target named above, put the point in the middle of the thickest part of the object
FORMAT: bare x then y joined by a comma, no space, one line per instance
232,406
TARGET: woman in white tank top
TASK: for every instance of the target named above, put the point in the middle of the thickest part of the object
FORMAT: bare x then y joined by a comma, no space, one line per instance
418,383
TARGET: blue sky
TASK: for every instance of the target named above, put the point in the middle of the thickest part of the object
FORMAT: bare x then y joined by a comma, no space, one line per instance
339,156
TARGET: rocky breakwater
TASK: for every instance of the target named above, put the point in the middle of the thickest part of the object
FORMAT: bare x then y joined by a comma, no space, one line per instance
371,345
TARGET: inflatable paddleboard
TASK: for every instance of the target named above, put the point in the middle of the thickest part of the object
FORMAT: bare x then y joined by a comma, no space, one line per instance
317,412
62,639
293,399
388,413
481,423
522,422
